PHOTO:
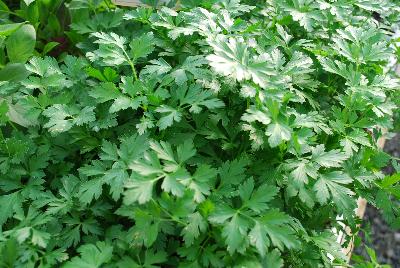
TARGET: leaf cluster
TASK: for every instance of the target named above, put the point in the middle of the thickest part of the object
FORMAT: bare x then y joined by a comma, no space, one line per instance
226,134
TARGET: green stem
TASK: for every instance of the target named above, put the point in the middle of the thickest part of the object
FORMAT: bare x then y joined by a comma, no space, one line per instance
138,258
5,143
107,4
246,216
203,244
130,62
13,125
168,214
9,12
133,70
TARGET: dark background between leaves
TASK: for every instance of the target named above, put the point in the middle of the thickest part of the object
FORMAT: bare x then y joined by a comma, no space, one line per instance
383,239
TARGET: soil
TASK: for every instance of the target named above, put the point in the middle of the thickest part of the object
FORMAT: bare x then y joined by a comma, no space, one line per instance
384,240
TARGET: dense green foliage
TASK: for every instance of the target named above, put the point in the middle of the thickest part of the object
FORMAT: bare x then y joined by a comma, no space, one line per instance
227,134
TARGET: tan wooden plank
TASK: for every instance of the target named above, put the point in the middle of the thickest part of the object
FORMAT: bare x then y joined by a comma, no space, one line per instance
132,3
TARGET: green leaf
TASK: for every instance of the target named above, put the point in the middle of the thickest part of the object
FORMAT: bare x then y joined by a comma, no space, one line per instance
17,114
86,115
172,115
384,202
278,133
260,197
49,47
390,180
148,166
198,98
157,67
246,189
221,214
109,151
258,130
235,234
257,115
201,182
140,191
28,2
21,44
110,39
192,65
91,256
123,103
116,178
112,50
331,184
62,117
307,12
9,253
145,230
185,151
196,226
142,46
258,238
328,242
3,113
133,147
280,233
9,204
273,259
152,258
10,28
105,92
13,72
90,190
40,238
360,45
332,158
232,172
172,184
299,174
164,150
231,58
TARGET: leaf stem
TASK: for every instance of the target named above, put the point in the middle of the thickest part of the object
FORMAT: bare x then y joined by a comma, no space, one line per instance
130,62
247,216
133,70
13,125
203,244
10,12
107,4
168,214
5,143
